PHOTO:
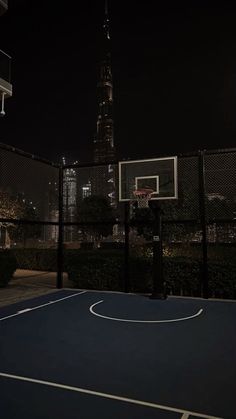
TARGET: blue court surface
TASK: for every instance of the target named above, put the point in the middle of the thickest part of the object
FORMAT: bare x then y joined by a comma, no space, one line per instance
87,354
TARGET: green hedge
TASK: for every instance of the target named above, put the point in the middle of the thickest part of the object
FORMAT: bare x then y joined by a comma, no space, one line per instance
36,259
222,279
8,265
96,269
182,276
140,274
104,269
101,269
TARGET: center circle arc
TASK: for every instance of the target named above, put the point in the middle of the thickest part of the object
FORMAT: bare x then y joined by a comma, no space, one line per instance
92,311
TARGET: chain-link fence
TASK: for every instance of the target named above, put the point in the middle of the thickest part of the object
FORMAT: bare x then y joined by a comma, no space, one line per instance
74,213
199,228
29,210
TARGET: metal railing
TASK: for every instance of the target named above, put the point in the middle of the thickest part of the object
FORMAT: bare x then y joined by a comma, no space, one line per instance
5,67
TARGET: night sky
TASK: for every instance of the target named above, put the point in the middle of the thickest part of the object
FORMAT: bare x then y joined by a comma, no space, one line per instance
174,75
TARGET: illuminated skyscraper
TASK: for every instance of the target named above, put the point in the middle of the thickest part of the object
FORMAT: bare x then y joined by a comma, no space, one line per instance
69,200
104,142
104,151
86,190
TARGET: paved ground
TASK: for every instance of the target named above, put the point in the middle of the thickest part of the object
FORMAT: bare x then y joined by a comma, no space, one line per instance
28,284
85,355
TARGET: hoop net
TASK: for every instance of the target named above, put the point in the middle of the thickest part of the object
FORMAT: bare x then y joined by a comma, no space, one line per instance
142,196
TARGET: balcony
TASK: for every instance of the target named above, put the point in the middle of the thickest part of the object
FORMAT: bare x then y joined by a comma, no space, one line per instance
5,74
3,6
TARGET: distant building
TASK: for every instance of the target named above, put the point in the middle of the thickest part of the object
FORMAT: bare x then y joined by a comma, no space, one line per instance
86,190
69,201
104,140
52,211
104,180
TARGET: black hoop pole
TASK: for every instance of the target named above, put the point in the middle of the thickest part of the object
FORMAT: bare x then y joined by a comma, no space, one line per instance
202,208
126,267
158,291
60,232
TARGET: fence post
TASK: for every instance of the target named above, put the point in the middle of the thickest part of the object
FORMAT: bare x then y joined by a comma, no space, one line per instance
60,231
202,208
158,291
126,267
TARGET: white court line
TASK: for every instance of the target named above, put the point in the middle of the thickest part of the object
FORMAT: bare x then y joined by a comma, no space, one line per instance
185,416
108,396
42,305
141,321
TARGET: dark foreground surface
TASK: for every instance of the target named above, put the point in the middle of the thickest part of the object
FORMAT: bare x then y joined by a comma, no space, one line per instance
59,358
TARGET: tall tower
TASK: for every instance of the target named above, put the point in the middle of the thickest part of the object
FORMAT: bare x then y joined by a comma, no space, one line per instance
104,142
103,147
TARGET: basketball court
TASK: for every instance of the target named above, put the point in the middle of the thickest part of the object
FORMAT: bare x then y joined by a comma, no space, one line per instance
98,354
86,354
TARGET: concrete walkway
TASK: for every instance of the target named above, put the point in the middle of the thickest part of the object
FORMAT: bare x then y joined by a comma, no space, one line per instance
27,284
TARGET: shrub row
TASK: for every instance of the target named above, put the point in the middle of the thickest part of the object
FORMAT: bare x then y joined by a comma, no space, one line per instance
222,279
95,269
8,265
182,277
216,251
104,269
36,259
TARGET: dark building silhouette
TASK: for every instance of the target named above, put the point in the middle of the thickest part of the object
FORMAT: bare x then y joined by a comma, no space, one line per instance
103,147
5,68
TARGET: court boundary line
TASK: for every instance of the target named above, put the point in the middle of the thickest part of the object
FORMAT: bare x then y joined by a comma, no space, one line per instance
27,310
169,297
141,321
109,396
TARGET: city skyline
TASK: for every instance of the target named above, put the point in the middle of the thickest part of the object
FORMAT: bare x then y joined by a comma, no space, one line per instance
173,73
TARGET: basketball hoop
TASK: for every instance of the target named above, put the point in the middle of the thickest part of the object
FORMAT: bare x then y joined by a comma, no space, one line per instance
143,196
